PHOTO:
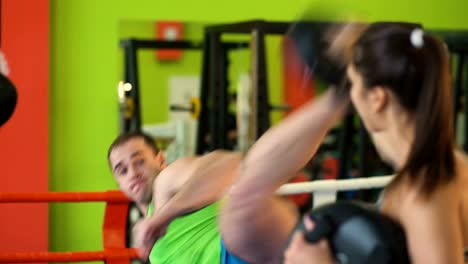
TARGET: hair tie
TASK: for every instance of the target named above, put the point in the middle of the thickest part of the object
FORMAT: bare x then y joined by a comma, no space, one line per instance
416,38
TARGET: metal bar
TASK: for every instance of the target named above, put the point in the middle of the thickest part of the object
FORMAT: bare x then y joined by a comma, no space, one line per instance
344,146
252,94
235,45
203,121
215,88
124,102
223,113
276,27
131,76
344,149
263,105
180,44
46,197
363,150
161,44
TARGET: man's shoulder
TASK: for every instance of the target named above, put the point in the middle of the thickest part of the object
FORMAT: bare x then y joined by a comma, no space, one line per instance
180,164
176,171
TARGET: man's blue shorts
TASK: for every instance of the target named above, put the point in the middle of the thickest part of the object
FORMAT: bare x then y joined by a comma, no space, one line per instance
228,258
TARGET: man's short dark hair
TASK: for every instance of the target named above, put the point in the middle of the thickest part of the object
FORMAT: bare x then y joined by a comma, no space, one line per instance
125,137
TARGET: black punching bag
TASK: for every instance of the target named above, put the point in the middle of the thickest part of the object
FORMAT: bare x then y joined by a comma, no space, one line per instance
8,98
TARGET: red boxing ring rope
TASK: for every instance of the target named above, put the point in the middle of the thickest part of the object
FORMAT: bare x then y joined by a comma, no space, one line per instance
83,256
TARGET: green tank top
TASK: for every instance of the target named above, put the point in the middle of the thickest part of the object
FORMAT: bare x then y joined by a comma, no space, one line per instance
192,238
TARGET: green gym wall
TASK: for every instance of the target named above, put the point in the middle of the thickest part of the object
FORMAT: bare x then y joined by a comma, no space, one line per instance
86,64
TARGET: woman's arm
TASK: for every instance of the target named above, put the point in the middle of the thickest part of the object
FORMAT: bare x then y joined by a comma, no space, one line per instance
286,148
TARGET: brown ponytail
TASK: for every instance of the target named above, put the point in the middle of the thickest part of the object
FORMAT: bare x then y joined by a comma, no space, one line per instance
417,71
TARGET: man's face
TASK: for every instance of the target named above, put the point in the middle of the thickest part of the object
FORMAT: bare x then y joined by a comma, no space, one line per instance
135,166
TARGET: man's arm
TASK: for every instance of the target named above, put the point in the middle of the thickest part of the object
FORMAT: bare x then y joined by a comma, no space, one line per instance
185,186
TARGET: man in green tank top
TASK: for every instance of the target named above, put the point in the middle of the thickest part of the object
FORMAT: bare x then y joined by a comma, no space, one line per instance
185,226
192,238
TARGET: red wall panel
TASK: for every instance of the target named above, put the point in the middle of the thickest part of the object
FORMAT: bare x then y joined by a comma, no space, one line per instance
24,139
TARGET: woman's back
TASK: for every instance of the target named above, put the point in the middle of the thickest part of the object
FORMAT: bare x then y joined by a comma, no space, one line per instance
462,184
437,225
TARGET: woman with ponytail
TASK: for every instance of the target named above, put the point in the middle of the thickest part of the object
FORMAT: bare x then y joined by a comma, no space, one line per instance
401,87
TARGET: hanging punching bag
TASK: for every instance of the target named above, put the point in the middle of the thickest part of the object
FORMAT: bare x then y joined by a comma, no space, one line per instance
8,98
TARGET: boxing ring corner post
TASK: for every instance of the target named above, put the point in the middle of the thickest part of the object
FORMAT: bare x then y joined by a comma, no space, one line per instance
114,228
